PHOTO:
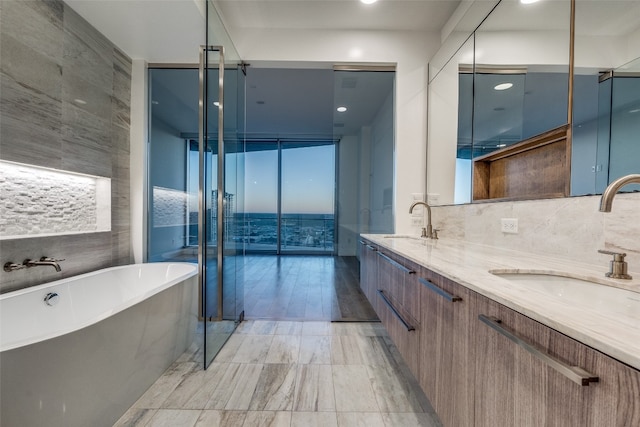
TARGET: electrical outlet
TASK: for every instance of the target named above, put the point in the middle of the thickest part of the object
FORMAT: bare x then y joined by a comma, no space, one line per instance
416,222
509,225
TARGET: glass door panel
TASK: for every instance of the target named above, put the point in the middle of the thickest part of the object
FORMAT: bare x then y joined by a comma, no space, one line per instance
211,171
308,188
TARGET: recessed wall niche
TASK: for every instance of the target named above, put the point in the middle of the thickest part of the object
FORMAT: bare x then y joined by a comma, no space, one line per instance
38,202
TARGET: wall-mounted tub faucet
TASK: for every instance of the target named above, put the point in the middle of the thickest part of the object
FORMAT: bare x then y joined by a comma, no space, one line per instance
44,261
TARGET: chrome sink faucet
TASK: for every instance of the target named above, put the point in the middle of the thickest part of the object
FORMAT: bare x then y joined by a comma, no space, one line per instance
428,231
612,189
618,266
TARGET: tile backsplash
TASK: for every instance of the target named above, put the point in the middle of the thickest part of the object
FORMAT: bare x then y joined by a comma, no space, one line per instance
571,227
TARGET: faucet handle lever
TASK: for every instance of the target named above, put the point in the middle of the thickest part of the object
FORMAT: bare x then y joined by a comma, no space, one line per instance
46,258
617,256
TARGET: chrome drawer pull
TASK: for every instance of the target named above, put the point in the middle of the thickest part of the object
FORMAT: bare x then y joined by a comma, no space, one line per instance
446,295
396,264
574,373
371,248
395,312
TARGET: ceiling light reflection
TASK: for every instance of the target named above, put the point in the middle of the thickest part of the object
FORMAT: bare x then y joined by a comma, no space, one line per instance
503,86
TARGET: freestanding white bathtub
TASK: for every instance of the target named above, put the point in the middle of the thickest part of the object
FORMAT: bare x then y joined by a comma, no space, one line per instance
105,338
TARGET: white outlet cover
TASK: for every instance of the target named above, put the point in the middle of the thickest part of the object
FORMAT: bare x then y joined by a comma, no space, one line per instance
509,225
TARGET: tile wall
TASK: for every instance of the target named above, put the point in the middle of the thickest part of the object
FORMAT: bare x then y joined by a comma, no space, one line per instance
64,103
571,228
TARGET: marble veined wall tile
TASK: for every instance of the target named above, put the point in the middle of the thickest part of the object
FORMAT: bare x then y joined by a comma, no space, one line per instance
37,24
571,228
122,77
31,130
87,53
31,69
65,96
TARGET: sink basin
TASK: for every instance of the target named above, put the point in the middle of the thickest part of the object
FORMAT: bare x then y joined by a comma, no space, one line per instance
583,293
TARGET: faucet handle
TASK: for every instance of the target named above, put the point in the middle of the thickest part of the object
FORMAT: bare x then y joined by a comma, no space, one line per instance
49,259
617,266
617,256
11,266
435,233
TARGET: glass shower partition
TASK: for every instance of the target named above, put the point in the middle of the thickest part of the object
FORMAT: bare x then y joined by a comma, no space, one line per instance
221,186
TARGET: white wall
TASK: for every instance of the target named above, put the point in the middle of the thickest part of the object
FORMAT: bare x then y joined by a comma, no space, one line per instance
409,50
138,160
443,134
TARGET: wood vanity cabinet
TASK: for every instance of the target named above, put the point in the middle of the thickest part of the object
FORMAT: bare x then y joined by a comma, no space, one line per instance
481,363
515,388
447,359
398,304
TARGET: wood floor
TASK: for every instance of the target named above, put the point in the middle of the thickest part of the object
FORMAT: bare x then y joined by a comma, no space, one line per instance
295,287
290,374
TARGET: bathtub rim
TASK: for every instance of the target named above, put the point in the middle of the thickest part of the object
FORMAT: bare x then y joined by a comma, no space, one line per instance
100,316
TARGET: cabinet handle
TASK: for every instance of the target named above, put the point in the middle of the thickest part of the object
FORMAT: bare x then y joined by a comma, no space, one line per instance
396,264
574,373
446,295
371,248
395,312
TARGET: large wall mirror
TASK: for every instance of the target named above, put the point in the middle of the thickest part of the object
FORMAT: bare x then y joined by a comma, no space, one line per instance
501,125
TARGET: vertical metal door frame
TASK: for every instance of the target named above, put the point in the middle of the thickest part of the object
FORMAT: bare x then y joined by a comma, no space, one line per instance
202,187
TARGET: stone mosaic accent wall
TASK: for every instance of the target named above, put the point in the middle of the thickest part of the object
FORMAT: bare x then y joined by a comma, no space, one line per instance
169,207
35,201
65,104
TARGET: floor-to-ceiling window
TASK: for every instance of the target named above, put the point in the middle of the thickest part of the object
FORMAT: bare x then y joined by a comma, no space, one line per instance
290,197
308,193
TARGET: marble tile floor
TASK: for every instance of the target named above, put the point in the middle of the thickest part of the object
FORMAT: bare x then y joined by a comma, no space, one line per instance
289,373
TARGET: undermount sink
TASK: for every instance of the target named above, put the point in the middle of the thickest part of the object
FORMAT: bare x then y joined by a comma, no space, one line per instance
580,292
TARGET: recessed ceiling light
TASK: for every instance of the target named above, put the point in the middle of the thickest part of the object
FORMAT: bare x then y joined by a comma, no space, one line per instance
80,101
341,109
528,1
368,1
503,86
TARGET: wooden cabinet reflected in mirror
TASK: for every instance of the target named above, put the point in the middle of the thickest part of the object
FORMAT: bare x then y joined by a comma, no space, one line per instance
513,87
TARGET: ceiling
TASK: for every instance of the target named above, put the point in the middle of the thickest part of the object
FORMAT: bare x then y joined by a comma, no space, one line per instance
170,31
279,102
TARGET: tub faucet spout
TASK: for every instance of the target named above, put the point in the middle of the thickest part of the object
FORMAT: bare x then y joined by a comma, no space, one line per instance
44,261
428,233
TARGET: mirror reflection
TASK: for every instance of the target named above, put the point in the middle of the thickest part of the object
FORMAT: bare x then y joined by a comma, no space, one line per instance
510,81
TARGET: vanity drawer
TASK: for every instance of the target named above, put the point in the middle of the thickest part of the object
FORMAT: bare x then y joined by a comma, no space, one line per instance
528,374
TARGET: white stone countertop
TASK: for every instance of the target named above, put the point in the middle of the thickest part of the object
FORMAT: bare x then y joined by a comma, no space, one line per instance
614,331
